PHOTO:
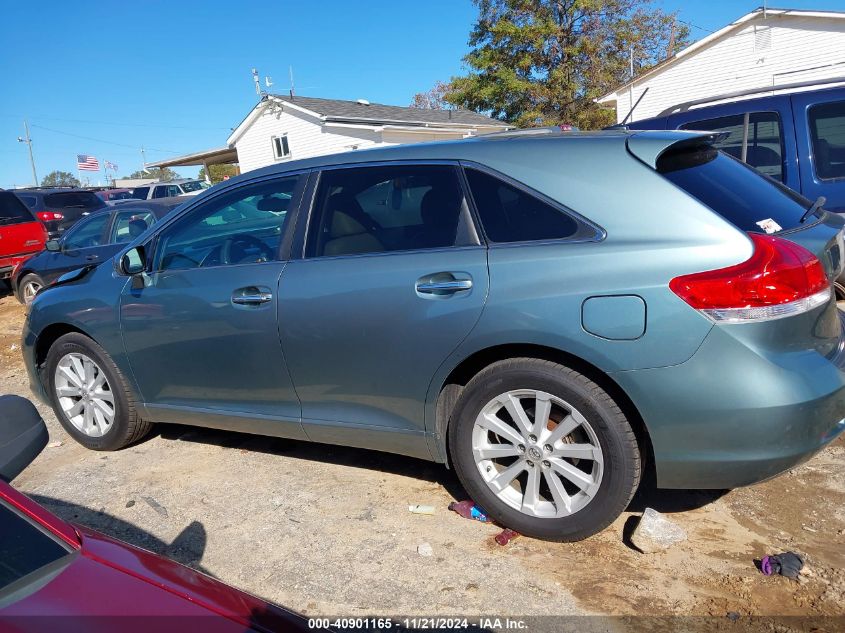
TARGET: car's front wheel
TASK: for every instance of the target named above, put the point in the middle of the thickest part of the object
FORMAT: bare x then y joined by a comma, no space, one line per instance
543,449
90,396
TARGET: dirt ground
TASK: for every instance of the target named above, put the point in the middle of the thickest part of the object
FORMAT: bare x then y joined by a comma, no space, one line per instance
326,530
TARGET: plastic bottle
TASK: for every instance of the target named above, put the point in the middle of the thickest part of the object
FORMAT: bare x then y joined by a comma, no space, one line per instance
468,510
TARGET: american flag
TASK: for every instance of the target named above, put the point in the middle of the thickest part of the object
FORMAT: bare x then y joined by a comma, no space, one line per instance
87,163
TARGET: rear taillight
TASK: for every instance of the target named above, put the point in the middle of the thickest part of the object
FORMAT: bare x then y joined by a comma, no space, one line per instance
780,279
48,216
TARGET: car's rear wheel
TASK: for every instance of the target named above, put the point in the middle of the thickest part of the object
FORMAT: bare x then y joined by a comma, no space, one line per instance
543,449
90,396
28,287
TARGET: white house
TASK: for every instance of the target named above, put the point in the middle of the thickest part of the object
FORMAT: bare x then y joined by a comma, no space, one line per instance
764,48
282,128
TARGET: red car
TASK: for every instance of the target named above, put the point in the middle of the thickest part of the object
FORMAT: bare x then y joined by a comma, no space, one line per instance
21,234
57,576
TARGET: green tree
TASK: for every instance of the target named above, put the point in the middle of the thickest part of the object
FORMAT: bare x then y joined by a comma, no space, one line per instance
218,172
544,62
159,173
60,179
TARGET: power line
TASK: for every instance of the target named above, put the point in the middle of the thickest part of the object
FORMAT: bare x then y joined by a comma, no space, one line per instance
143,125
695,26
99,140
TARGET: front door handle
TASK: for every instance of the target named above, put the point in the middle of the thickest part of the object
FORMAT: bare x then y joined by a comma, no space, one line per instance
444,286
252,299
91,258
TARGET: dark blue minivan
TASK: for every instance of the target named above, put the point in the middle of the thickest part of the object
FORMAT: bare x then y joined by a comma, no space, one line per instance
797,138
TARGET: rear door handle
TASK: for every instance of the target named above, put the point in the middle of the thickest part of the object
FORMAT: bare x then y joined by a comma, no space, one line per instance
252,299
91,258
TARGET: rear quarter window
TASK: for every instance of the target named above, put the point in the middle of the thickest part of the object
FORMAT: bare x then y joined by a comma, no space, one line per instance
12,210
73,199
737,192
29,201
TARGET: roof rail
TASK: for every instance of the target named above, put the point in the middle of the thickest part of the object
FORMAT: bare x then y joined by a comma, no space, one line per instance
683,107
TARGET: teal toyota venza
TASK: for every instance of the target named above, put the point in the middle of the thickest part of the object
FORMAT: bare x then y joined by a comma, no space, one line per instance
549,313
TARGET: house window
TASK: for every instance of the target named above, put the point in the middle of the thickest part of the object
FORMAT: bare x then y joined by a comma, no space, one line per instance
281,149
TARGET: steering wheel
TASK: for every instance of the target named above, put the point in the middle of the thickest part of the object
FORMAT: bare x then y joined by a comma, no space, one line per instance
234,249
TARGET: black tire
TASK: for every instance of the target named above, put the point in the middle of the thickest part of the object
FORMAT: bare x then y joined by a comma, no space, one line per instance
127,427
22,283
620,452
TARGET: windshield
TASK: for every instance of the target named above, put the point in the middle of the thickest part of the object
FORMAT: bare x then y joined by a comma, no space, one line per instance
737,192
194,185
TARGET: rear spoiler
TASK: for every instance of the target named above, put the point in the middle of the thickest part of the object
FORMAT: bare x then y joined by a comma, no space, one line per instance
649,146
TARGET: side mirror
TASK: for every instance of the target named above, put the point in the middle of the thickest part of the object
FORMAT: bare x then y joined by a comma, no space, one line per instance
134,261
53,246
23,435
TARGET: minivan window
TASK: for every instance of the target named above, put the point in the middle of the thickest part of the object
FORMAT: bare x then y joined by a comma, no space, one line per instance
764,149
24,548
242,227
732,189
509,214
387,208
141,193
827,130
12,210
73,199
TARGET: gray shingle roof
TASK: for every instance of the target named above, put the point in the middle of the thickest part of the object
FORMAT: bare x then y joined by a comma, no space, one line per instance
338,109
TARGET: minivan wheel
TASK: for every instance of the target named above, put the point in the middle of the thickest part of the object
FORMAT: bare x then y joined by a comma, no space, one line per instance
28,287
544,450
90,396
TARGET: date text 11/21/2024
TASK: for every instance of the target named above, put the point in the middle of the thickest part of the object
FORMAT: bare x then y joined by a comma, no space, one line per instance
418,623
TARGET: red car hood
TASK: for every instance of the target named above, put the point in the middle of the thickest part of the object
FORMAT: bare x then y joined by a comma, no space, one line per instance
108,580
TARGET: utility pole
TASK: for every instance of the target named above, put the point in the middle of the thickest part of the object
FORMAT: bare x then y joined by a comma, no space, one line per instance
631,85
28,141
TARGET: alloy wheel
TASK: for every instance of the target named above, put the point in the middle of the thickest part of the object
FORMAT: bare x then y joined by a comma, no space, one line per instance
537,453
84,394
30,289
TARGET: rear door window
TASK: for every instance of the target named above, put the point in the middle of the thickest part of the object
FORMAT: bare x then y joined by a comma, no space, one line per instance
388,208
827,131
12,210
141,193
763,148
130,224
732,189
510,214
73,200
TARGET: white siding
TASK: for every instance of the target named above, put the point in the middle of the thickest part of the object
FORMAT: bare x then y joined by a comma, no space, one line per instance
802,48
306,137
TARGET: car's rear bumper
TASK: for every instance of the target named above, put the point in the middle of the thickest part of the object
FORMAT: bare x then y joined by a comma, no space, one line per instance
9,264
734,414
